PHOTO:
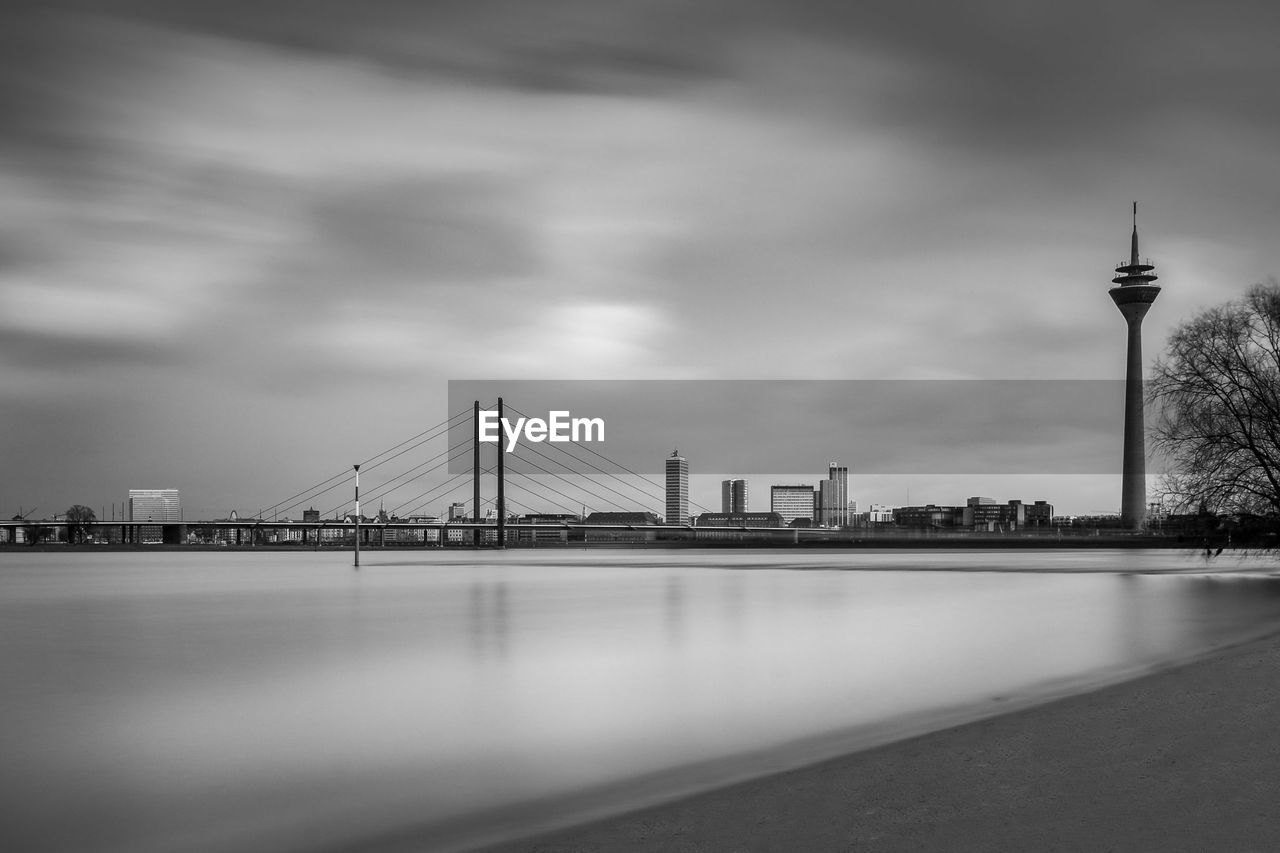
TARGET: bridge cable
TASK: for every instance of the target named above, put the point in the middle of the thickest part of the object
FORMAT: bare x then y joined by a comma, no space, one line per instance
571,509
436,429
572,484
659,486
587,476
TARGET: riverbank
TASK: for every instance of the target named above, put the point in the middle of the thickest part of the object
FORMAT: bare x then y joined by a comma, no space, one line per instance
1184,759
961,541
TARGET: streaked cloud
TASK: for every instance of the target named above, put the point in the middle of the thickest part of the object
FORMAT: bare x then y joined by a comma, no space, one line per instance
276,208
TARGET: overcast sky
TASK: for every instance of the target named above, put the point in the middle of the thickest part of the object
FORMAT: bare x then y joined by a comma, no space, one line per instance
245,244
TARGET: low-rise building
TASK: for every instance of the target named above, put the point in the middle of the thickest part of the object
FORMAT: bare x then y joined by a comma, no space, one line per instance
740,519
548,528
929,517
728,525
623,527
876,515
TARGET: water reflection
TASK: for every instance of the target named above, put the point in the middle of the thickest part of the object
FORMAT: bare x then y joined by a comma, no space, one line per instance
733,600
673,611
487,625
283,700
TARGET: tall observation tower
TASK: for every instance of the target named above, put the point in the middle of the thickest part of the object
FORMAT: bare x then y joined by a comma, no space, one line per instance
1133,294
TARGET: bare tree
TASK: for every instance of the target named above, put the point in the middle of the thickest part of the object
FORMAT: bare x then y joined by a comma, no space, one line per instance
78,519
1216,400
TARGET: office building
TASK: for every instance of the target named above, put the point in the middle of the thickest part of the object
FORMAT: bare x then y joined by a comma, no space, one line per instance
159,505
985,515
733,496
677,489
792,502
833,497
154,505
1039,514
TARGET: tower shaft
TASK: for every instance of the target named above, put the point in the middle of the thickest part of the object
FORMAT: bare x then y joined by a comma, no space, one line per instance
1133,493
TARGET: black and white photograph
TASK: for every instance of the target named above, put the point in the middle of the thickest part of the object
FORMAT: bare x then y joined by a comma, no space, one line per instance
484,426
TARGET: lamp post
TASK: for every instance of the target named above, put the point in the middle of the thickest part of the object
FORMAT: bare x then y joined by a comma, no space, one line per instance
357,468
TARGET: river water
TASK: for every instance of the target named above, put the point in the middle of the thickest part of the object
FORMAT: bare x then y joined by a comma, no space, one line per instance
236,701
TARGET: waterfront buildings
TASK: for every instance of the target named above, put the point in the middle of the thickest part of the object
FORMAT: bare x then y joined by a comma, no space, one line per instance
1133,295
978,515
677,489
733,496
792,502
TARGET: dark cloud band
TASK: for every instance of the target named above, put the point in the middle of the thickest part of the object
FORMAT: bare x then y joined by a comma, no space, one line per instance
741,427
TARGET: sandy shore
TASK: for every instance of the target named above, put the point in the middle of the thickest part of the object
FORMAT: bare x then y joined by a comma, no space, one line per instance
1184,759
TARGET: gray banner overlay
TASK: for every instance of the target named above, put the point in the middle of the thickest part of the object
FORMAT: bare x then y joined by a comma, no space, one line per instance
738,427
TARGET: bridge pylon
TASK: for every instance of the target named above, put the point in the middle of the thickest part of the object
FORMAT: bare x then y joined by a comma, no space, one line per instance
475,480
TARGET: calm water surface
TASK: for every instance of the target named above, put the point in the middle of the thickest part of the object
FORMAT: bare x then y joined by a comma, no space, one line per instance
228,702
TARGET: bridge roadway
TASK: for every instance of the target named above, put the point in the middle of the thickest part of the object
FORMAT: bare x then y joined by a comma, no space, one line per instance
254,531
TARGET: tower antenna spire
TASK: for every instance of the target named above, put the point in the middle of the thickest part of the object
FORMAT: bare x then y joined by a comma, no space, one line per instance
1133,257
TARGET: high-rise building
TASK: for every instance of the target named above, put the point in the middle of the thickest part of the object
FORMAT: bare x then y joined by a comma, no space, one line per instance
833,497
1134,293
792,502
733,496
677,489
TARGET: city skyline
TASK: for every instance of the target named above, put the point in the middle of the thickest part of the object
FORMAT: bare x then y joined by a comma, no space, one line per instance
164,505
240,249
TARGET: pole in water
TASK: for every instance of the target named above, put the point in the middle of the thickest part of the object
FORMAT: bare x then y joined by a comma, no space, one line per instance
357,467
502,500
475,477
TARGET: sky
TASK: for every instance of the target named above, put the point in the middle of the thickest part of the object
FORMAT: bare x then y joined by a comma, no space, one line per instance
245,245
